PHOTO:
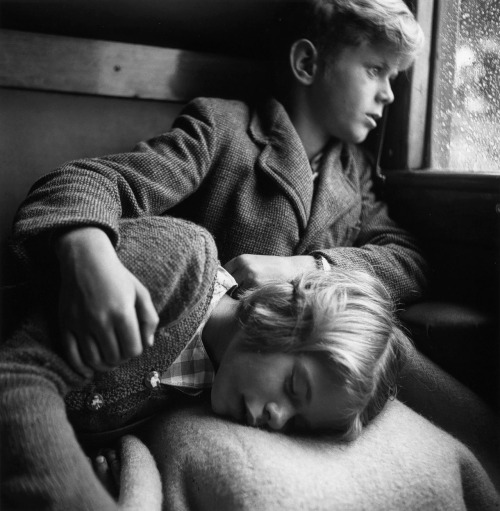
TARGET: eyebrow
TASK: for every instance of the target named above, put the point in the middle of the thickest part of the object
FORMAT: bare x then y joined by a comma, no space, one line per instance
391,68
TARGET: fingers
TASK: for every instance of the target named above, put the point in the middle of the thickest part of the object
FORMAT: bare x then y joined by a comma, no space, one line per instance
101,467
254,270
100,349
146,315
103,325
106,348
135,329
241,268
117,340
73,356
83,355
107,468
128,333
87,352
106,342
108,460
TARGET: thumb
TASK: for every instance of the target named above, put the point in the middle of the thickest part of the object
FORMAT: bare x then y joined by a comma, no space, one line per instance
146,315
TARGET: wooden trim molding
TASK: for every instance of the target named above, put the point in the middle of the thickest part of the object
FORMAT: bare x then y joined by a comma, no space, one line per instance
447,18
418,113
406,137
86,66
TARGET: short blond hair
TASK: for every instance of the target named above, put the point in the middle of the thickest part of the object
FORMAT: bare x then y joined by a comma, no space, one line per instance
333,24
345,319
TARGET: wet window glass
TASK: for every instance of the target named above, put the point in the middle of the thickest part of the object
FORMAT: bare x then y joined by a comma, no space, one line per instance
466,110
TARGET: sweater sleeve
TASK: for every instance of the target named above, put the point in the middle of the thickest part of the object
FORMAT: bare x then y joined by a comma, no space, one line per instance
43,465
148,181
381,246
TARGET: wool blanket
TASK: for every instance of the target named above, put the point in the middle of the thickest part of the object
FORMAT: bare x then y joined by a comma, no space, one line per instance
401,461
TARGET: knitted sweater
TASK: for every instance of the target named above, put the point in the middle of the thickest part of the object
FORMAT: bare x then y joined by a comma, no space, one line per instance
43,466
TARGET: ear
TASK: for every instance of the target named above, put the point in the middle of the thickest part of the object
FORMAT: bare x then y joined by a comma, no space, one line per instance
304,61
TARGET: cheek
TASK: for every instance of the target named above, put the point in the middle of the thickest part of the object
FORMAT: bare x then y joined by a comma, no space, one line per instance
223,383
355,90
355,98
230,377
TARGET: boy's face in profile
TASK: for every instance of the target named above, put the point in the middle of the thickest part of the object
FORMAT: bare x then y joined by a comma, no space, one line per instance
351,89
277,390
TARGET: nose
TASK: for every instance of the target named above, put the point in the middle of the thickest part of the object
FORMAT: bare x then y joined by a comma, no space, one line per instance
385,94
277,415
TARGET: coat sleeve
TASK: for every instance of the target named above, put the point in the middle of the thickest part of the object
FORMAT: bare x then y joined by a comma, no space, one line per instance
381,246
152,178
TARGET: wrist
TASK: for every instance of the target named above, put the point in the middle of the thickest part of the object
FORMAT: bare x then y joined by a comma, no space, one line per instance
303,263
68,242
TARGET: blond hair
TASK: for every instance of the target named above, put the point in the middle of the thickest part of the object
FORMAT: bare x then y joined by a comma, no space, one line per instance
345,319
333,24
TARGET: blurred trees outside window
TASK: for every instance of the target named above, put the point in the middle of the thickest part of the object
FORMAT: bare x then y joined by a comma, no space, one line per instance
466,109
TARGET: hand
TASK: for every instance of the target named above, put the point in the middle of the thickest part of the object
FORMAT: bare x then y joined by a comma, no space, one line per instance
106,314
254,270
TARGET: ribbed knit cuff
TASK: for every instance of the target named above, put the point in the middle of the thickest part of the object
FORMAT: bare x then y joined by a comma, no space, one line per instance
43,466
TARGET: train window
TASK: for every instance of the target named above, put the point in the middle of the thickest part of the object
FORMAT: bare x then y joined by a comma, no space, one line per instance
466,98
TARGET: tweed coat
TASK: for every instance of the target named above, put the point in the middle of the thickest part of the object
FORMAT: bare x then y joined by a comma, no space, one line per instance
240,171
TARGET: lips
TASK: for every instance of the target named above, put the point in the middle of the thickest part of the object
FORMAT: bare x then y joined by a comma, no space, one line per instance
249,418
372,119
244,412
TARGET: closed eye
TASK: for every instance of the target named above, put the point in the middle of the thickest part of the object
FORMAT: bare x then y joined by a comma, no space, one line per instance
296,386
292,385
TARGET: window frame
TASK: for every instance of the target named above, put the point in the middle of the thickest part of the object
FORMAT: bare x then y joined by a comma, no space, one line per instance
409,144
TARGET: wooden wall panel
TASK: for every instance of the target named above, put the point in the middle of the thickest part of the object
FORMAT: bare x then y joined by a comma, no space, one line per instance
85,66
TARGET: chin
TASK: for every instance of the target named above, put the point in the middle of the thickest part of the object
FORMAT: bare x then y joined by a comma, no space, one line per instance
221,404
354,137
215,403
358,138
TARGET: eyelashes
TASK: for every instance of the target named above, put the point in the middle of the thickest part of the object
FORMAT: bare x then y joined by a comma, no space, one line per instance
374,71
377,71
292,387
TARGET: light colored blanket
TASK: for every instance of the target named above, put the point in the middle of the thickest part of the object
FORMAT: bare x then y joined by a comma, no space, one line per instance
400,462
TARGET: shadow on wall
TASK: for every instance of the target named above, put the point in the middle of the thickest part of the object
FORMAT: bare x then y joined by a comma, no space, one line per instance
218,26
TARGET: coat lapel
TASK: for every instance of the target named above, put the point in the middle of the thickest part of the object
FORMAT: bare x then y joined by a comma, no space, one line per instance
335,193
283,157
